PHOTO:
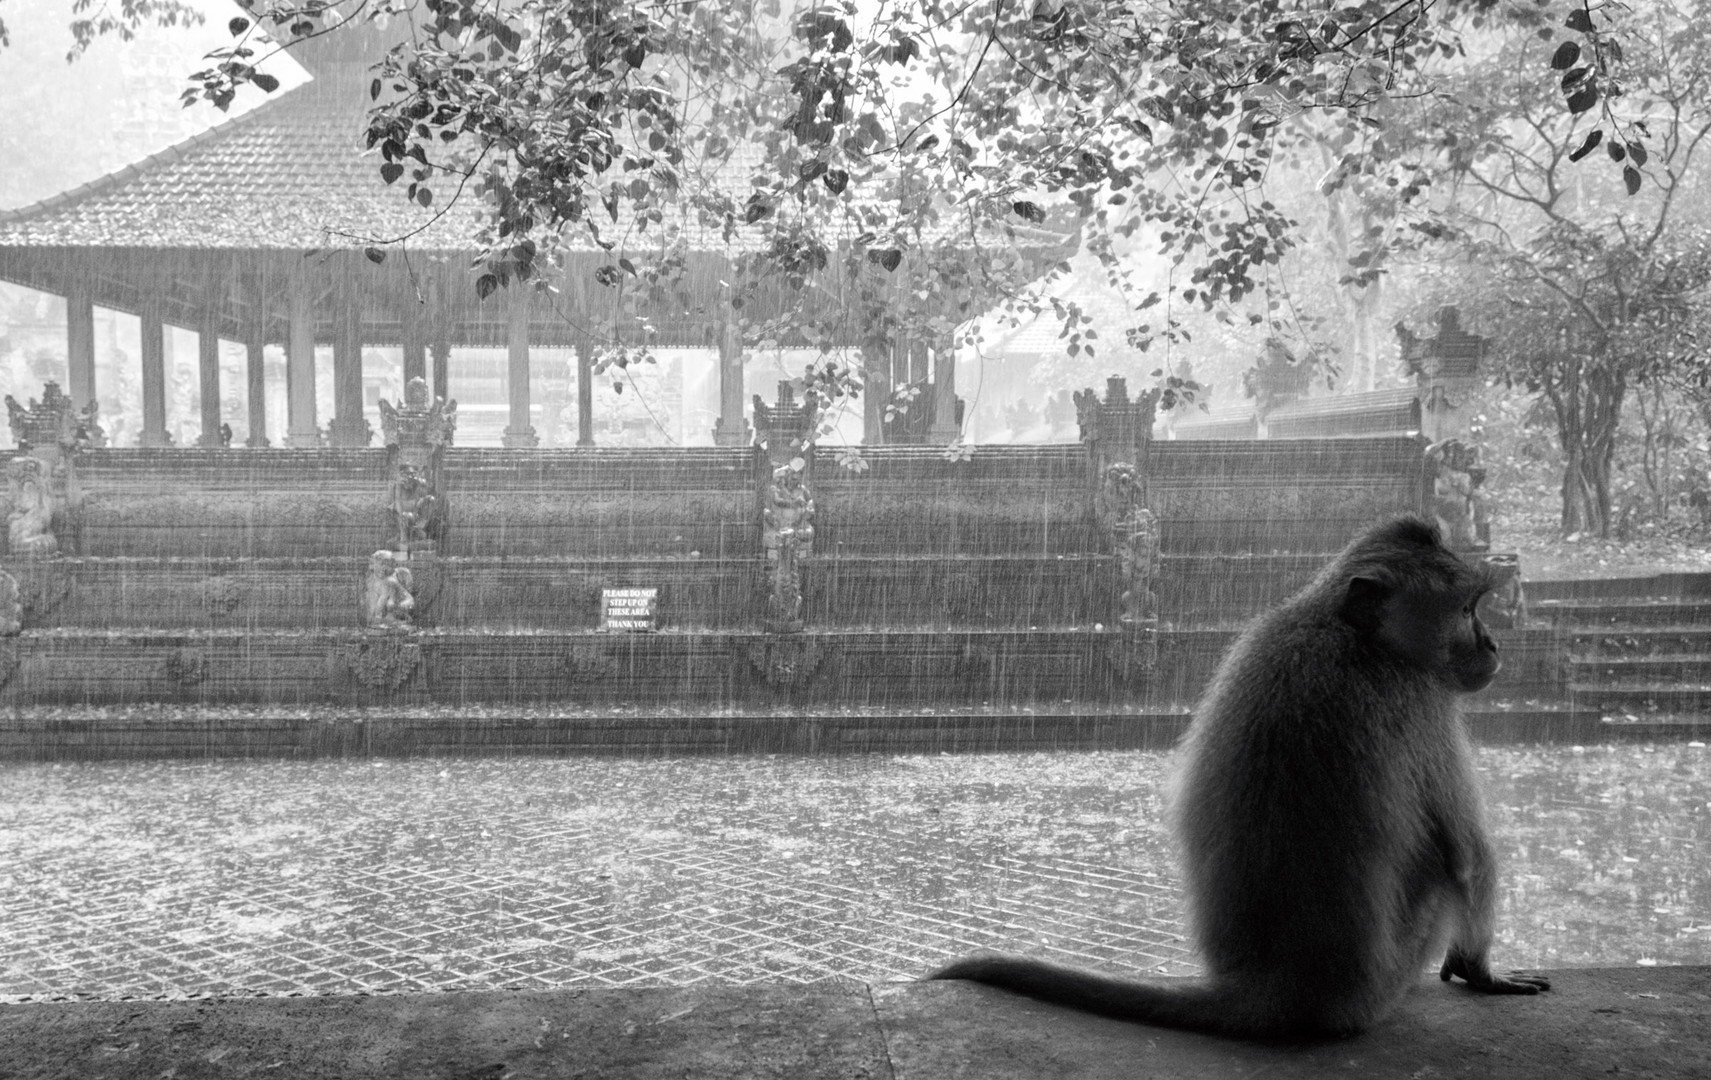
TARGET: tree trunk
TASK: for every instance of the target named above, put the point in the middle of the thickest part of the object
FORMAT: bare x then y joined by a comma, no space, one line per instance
1589,408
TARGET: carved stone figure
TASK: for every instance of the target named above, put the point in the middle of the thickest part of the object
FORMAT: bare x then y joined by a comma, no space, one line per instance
11,606
1458,504
416,508
1134,540
789,508
49,432
1137,569
784,597
417,432
29,526
1506,605
387,602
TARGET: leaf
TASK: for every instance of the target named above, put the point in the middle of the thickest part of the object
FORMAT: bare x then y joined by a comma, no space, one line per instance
375,255
374,90
1637,154
391,171
1587,147
424,196
1565,56
635,54
836,180
628,267
485,285
889,258
1584,98
1578,19
1631,177
267,82
1573,77
238,26
1029,211
1617,151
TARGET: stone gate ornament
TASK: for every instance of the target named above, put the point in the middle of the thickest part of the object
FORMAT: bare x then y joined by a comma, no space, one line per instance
42,478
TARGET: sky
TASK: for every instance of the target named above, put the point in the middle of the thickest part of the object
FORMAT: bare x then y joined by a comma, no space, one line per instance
67,124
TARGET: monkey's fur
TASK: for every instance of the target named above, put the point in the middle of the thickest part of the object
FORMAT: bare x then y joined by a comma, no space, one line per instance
1326,810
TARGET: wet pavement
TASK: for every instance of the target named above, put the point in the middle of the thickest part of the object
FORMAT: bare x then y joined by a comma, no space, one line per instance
175,879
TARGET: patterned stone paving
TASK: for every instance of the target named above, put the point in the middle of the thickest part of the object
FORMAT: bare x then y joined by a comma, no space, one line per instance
174,879
180,879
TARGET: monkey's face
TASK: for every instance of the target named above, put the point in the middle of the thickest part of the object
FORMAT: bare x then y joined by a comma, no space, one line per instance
1441,633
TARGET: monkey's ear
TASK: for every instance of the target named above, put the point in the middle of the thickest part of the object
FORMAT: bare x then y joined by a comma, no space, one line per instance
1363,604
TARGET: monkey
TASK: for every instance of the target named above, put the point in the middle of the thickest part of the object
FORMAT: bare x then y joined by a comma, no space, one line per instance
1325,809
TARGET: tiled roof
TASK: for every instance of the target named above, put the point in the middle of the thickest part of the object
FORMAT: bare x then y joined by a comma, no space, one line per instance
293,174
279,176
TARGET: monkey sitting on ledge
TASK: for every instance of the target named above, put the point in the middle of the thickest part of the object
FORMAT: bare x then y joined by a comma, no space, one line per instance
1326,811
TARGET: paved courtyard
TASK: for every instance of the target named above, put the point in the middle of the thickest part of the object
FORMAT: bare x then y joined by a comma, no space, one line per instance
173,879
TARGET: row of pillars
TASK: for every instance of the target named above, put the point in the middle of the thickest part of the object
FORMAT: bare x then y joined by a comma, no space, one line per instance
347,426
425,337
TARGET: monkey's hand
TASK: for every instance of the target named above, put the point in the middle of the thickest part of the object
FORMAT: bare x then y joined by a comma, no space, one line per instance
1477,973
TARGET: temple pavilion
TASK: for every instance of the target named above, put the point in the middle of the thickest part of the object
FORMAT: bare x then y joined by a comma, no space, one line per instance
254,232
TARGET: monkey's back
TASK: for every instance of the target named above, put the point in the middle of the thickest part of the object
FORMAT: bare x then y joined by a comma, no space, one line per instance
1301,806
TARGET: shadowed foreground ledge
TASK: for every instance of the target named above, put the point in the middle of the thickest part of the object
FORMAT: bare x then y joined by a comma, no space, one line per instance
1627,1022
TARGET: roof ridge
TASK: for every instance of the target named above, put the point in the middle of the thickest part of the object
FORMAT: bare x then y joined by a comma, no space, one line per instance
174,153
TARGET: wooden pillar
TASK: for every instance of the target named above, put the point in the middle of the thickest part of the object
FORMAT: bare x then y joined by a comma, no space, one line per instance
440,318
520,432
255,361
304,431
876,388
154,375
944,428
584,395
348,427
80,344
731,429
414,343
208,359
442,367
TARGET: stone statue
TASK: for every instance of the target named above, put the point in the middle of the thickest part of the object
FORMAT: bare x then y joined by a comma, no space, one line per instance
1134,540
784,597
46,498
1506,604
387,602
1457,503
417,432
11,606
416,507
29,526
789,509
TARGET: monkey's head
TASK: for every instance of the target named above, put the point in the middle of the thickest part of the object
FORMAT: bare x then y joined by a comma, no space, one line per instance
1414,599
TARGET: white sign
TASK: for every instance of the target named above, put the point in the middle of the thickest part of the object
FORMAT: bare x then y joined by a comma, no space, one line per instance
629,609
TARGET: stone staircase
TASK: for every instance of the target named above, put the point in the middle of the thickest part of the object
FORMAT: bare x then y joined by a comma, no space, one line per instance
1636,651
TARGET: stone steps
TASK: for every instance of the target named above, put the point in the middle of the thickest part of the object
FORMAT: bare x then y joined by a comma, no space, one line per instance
1622,612
157,730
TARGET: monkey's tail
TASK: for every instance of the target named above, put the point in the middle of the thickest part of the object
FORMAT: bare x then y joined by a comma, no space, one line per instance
1190,1004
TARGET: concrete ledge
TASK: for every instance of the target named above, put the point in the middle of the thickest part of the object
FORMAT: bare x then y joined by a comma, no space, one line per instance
1651,1022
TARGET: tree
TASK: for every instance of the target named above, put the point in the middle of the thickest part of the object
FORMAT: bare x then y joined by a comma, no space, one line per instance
1590,282
905,152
